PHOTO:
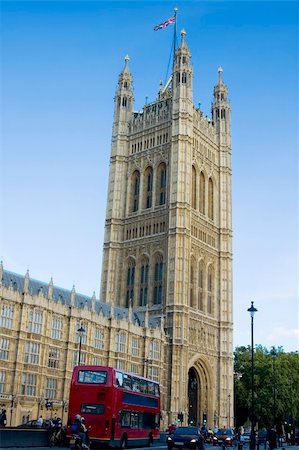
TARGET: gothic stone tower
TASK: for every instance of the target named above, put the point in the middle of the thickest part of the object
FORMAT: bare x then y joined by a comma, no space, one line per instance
168,235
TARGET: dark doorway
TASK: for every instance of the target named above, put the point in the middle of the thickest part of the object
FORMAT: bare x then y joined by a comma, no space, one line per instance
193,391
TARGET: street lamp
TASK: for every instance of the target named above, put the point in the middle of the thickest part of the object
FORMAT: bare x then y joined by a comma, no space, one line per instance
228,410
12,405
80,332
237,377
273,353
252,310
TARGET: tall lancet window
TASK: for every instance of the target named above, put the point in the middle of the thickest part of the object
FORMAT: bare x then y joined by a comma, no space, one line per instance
192,264
194,197
143,293
210,286
158,280
211,199
130,283
135,189
161,184
200,285
149,187
202,193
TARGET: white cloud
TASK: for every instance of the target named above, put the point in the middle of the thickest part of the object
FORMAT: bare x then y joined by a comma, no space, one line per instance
283,332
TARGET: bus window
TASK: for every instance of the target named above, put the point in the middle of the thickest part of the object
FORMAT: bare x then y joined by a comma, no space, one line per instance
127,382
92,408
92,376
119,379
149,420
142,386
135,384
157,393
151,388
124,418
134,420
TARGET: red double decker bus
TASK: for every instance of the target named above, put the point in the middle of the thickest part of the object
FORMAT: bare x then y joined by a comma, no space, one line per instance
120,409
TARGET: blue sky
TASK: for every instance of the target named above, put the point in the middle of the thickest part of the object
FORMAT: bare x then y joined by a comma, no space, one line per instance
60,64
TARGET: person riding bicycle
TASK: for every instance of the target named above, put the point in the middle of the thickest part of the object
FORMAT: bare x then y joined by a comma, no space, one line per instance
79,428
58,433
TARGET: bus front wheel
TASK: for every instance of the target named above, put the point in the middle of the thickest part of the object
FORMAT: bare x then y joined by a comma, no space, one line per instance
123,442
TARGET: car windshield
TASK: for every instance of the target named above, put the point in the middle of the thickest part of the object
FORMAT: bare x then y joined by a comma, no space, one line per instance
186,430
226,432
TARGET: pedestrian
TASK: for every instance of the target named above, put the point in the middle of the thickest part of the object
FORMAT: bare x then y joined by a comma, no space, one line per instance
40,421
271,438
3,419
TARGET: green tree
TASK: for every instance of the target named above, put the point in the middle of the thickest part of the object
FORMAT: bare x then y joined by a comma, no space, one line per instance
276,386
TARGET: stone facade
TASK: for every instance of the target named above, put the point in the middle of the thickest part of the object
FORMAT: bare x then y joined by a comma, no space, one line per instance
39,344
166,291
168,234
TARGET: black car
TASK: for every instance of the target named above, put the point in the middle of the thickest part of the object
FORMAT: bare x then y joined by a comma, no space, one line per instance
223,437
34,424
185,437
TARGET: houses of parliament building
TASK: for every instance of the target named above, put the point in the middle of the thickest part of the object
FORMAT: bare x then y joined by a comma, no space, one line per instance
165,308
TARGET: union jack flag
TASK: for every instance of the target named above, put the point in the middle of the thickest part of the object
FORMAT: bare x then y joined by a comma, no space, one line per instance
167,22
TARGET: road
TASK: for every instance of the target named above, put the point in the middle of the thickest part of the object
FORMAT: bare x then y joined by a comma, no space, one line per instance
157,446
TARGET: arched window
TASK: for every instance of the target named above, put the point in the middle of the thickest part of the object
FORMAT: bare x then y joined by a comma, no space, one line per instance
211,199
202,193
158,280
193,199
200,286
184,77
135,189
161,185
210,289
130,283
144,270
192,302
148,187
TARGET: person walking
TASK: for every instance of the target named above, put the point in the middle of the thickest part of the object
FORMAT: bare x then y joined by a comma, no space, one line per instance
271,438
3,419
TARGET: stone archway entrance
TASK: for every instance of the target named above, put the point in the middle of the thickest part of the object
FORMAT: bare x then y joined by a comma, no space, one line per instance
193,397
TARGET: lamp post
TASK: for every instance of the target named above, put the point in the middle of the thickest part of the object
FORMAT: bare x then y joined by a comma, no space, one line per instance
228,411
237,377
12,405
80,331
252,310
273,354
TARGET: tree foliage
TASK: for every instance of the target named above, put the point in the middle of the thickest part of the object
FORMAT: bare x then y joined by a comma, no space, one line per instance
276,386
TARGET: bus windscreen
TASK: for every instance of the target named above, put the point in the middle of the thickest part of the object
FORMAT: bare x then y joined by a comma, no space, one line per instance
92,376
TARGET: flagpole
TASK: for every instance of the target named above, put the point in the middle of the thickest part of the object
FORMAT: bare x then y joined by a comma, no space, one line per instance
174,39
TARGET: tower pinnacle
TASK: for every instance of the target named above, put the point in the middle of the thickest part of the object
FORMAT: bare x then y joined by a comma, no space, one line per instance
220,71
183,36
126,68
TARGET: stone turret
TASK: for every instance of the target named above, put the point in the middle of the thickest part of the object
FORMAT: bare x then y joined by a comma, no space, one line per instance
73,296
50,289
221,109
182,75
123,107
26,282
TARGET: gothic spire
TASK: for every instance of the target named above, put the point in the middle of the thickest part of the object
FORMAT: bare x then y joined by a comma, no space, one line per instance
221,106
